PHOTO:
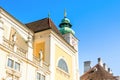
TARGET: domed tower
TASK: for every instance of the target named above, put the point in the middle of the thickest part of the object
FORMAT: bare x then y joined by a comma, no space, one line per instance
65,26
67,31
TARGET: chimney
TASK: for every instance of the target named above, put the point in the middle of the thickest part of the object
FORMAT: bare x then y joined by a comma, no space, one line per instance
87,66
105,66
100,62
109,70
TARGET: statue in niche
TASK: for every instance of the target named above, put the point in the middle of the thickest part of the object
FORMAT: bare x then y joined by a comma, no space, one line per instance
14,37
29,38
41,57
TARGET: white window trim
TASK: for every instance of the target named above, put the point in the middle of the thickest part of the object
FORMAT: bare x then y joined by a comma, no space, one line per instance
65,62
14,61
41,75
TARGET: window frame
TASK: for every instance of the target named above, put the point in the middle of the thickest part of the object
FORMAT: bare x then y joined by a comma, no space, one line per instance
41,76
14,66
63,67
17,66
10,63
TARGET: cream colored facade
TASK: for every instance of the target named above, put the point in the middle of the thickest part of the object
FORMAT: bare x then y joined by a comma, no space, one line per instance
24,54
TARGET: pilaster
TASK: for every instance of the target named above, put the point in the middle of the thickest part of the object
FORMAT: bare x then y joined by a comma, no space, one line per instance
30,49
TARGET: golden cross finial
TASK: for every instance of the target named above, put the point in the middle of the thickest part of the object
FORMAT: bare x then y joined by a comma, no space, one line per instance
65,13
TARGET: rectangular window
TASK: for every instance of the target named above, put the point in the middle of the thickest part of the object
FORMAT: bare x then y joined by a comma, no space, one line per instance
43,77
13,64
40,76
10,63
17,66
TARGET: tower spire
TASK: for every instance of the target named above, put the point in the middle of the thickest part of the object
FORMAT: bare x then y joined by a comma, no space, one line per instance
48,14
65,13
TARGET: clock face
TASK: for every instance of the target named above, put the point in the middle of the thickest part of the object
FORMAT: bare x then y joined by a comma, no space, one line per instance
73,42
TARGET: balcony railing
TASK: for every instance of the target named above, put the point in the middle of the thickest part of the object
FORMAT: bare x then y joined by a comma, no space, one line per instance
10,45
37,62
22,52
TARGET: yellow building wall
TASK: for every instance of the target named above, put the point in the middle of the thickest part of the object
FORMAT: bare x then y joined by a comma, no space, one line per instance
59,74
37,47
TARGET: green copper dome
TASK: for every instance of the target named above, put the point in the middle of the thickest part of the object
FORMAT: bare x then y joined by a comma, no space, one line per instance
65,26
66,30
65,20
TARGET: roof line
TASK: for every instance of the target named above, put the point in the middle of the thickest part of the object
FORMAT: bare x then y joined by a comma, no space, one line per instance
49,22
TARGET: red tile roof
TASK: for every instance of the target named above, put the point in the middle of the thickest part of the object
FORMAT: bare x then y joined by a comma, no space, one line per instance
42,25
97,73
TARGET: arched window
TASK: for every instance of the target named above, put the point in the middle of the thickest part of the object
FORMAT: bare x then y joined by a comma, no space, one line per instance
62,65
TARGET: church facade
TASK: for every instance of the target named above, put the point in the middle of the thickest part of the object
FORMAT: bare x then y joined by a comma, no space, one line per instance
37,50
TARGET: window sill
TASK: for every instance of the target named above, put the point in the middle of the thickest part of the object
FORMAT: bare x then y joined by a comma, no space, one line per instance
62,72
12,71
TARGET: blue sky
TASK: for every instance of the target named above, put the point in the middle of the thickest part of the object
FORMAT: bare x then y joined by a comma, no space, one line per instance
96,23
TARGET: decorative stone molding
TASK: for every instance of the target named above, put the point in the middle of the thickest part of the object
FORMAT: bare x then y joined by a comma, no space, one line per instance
1,31
1,23
62,72
12,73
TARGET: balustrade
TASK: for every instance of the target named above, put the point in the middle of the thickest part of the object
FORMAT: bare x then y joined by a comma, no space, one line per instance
10,45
